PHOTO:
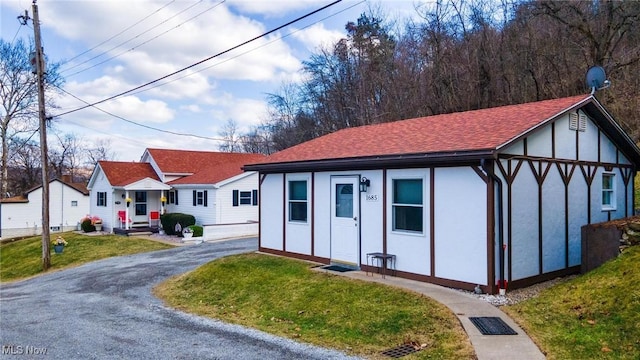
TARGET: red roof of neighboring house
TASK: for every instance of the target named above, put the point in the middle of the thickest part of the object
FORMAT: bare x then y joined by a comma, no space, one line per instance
485,129
206,167
81,187
190,161
120,173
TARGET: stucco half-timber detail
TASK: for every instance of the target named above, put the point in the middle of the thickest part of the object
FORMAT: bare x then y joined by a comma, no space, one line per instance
552,176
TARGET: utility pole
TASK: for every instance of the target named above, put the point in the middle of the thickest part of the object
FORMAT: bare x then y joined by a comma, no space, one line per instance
46,235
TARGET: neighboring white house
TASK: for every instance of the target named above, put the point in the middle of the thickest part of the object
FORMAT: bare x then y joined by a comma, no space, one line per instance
211,186
435,190
22,215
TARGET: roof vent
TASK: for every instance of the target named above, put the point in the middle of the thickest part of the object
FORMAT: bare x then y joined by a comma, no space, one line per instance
577,122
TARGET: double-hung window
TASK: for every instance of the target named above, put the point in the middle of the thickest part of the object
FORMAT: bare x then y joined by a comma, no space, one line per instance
298,200
608,191
408,205
102,198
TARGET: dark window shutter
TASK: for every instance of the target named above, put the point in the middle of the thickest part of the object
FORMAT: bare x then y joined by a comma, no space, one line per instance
205,198
194,198
236,197
97,199
255,197
176,197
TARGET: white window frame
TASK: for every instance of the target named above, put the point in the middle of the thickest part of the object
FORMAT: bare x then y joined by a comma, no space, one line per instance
394,204
101,198
306,201
611,206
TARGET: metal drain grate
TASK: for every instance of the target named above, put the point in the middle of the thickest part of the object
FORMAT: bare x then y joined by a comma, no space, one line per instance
492,326
400,351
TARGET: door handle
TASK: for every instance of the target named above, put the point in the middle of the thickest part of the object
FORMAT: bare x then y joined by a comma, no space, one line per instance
355,218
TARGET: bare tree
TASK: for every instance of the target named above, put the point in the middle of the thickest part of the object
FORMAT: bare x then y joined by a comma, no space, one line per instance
100,151
25,163
230,136
19,97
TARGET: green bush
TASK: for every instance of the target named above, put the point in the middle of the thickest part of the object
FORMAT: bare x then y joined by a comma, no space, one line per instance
197,230
169,221
87,226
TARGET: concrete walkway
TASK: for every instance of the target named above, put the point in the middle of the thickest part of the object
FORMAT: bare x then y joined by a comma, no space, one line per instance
487,347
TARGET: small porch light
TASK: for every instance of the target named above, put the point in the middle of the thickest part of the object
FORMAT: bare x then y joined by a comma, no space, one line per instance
364,184
163,200
128,200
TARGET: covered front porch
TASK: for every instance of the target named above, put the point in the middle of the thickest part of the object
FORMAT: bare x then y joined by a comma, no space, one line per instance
141,206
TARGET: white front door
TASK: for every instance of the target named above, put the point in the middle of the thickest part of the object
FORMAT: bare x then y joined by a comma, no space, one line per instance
345,221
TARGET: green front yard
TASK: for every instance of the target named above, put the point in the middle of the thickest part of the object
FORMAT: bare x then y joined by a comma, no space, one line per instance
23,258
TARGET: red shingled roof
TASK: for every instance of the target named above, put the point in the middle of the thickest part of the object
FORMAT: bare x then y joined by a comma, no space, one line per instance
207,167
191,162
121,173
485,129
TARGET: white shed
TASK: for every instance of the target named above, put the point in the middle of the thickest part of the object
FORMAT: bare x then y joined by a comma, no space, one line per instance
22,215
487,197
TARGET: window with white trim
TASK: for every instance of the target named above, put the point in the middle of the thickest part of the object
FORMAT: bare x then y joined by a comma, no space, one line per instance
101,198
608,191
408,205
173,197
298,200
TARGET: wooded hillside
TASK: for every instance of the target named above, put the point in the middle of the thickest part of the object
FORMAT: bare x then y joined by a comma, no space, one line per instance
461,55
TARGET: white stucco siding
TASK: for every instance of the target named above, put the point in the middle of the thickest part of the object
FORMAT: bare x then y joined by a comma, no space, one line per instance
597,213
588,141
553,222
297,233
226,213
412,250
608,150
565,139
524,225
577,216
622,158
271,211
539,143
322,215
460,221
371,215
515,149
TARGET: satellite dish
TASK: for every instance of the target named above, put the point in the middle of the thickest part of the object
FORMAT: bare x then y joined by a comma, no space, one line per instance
597,79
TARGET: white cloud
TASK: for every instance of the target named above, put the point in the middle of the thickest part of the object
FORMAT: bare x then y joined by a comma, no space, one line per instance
275,8
317,36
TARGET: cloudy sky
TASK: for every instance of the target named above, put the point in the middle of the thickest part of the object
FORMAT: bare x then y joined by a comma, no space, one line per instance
111,46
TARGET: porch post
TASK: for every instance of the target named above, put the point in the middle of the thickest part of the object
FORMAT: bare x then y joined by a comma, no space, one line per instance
163,200
126,214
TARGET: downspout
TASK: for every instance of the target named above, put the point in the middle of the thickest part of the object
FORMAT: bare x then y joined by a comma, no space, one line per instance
501,247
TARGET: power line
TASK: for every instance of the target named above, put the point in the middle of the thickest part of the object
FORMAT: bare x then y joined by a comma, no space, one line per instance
121,32
138,124
131,39
248,51
147,41
201,61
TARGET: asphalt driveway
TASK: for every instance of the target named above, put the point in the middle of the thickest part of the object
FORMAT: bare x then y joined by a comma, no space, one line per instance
105,310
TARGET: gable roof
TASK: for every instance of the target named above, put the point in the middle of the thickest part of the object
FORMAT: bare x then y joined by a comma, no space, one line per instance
24,198
460,136
121,173
202,167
